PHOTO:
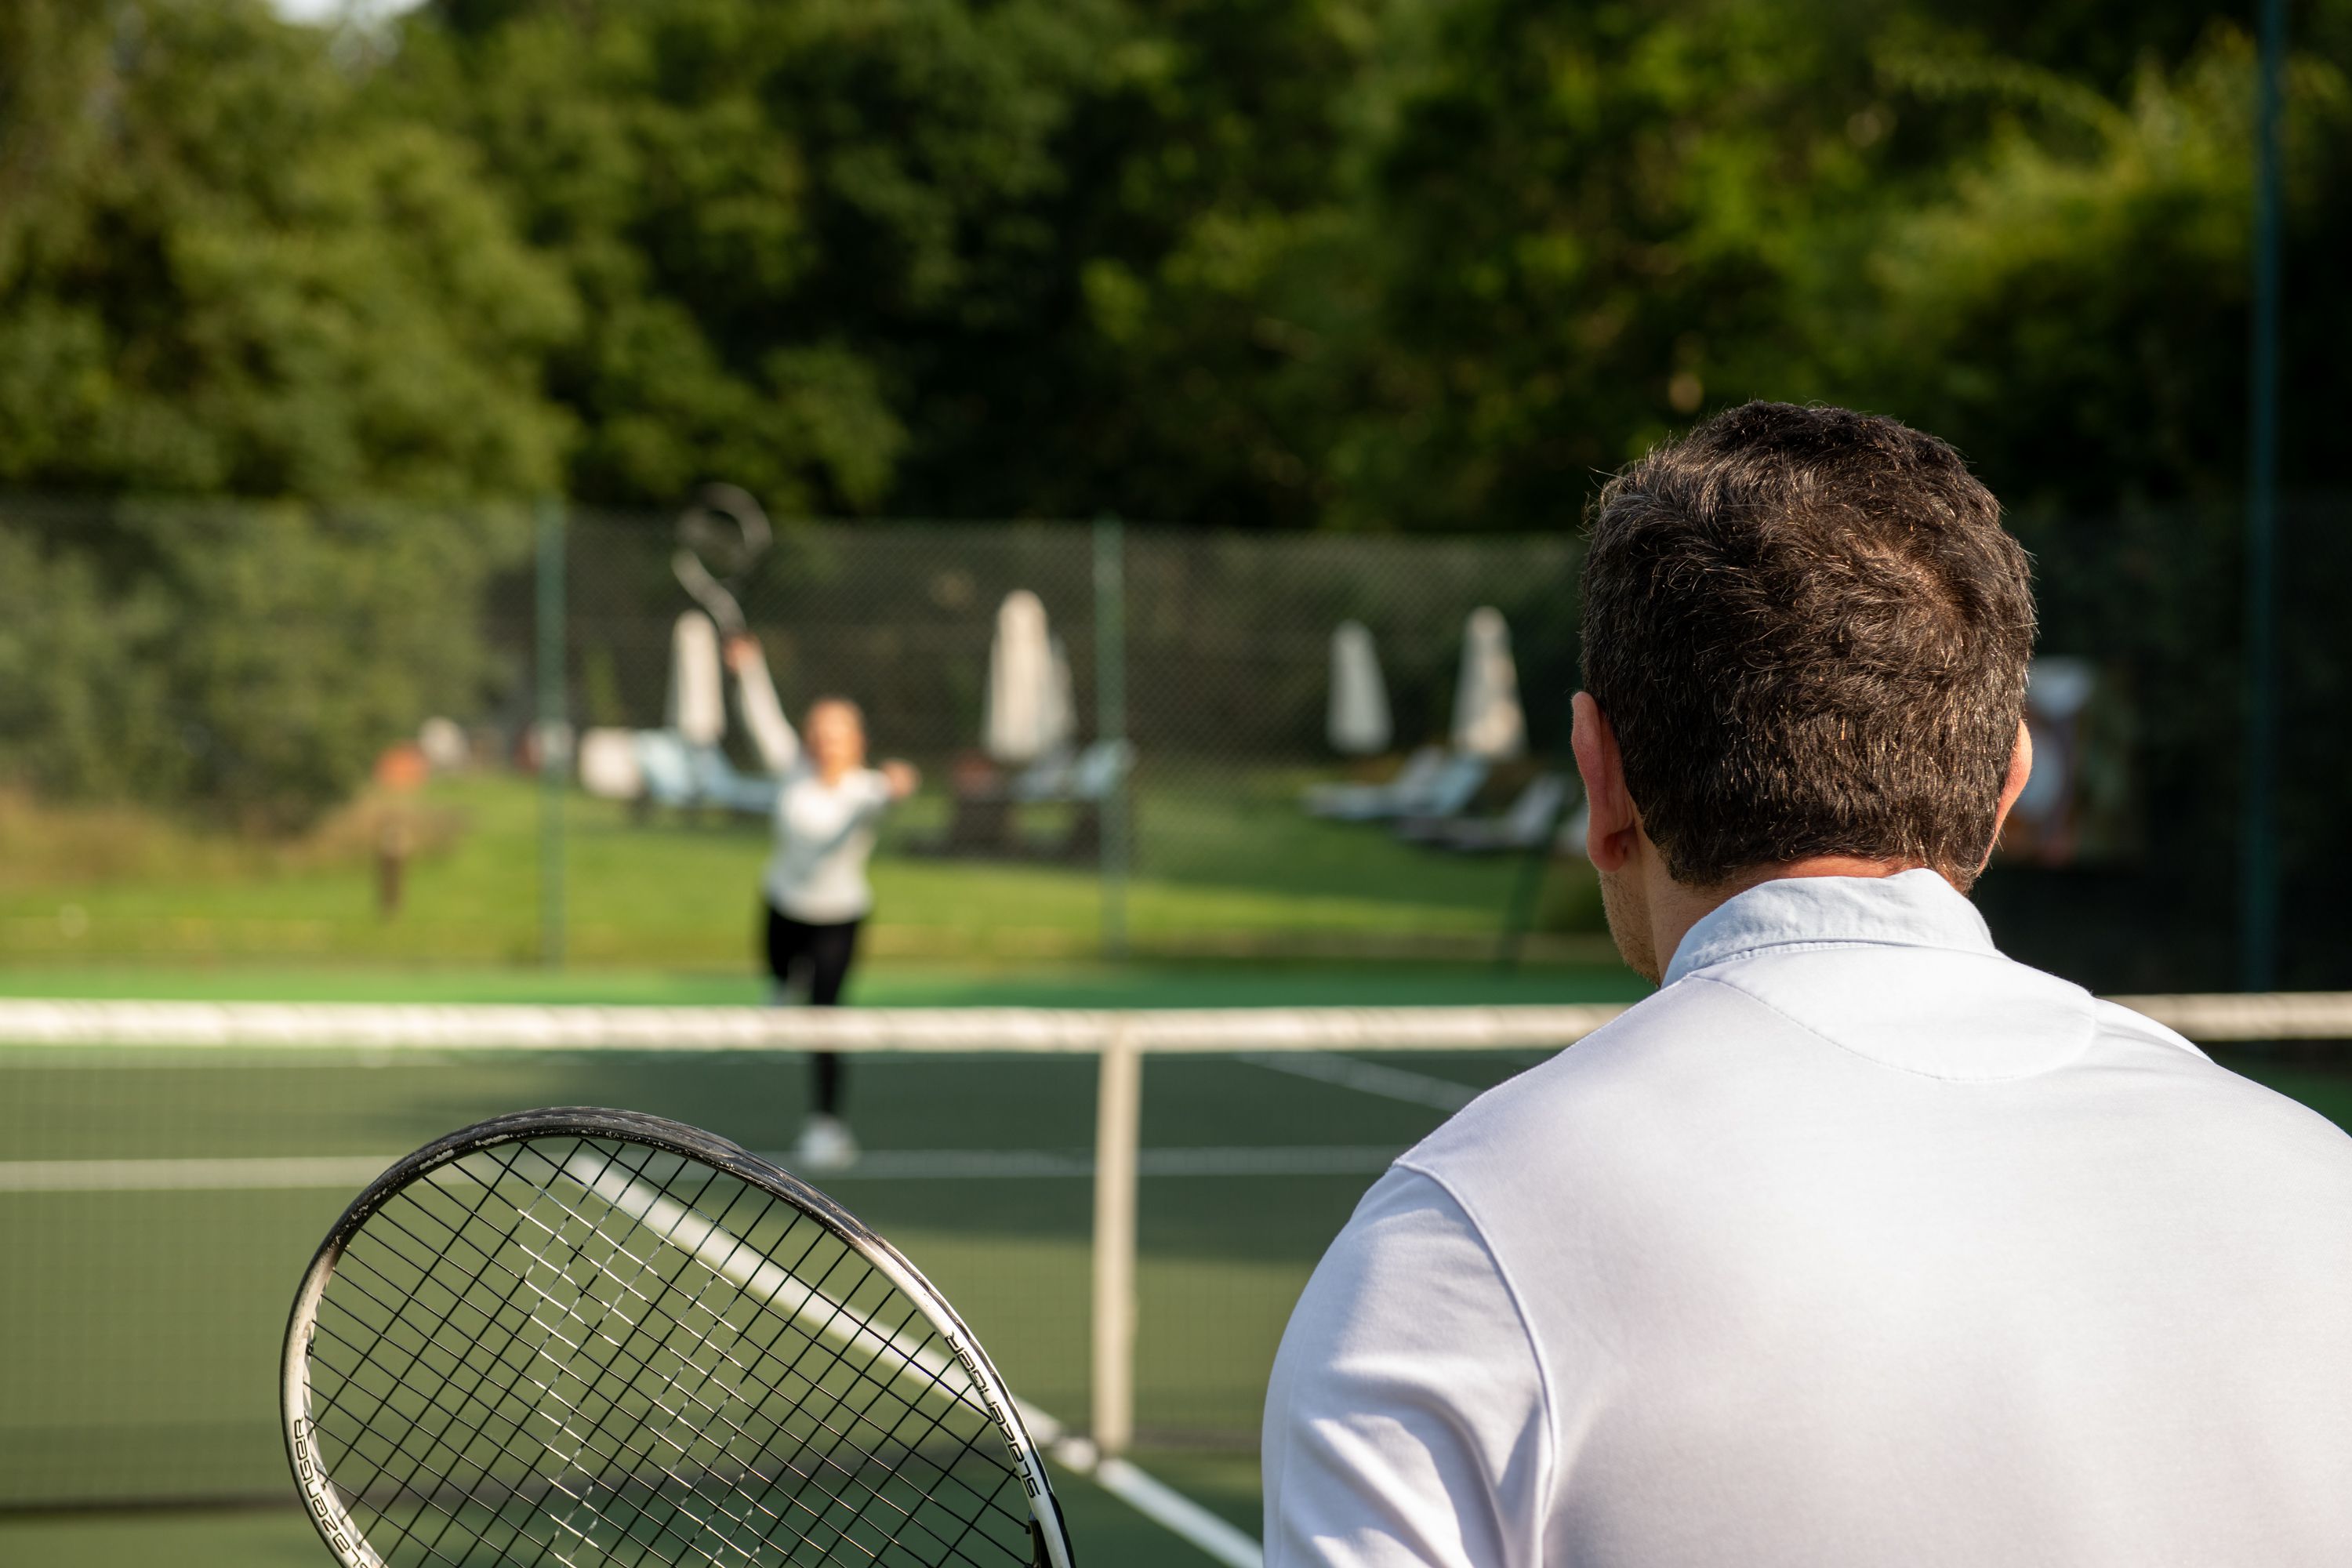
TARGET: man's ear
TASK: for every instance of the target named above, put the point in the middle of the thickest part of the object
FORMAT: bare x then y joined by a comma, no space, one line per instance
2020,768
1614,826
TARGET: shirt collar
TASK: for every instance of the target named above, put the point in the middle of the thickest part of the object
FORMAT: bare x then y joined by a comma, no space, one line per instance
1910,909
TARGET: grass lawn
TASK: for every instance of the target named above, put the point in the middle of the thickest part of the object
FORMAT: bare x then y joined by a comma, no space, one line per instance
883,983
1226,867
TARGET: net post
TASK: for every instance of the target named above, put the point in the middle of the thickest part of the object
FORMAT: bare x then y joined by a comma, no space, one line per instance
1110,722
1117,1128
554,740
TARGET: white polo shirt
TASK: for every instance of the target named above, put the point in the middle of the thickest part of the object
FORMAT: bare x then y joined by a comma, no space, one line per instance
1857,1246
825,836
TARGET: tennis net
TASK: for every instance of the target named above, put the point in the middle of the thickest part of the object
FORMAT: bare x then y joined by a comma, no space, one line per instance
1124,1204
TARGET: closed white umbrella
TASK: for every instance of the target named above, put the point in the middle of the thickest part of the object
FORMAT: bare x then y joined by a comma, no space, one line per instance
1358,725
1487,722
698,703
1020,681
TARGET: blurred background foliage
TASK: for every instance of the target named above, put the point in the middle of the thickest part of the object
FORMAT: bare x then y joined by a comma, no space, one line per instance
249,659
1371,265
1249,263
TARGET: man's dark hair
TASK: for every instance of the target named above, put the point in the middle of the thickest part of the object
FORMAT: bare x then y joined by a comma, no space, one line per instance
1808,631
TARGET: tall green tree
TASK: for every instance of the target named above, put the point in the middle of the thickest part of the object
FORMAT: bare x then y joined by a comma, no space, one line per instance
242,662
2071,304
220,272
780,219
1035,256
1602,223
1593,217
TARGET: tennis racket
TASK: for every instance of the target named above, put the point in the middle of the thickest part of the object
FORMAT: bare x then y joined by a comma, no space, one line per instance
720,537
588,1337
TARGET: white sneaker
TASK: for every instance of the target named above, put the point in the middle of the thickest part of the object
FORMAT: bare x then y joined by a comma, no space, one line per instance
825,1145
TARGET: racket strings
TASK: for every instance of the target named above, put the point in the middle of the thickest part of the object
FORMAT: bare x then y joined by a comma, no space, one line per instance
861,1331
578,1440
593,1481
713,1410
506,1377
390,1314
548,1392
405,1484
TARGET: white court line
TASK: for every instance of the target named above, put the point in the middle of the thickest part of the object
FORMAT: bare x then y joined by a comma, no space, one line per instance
1157,1500
719,1250
351,1172
1371,1077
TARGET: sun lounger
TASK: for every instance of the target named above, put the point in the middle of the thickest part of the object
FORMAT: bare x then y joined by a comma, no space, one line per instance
982,821
1093,779
1526,824
662,768
1098,770
683,765
665,762
1048,778
1448,791
1364,802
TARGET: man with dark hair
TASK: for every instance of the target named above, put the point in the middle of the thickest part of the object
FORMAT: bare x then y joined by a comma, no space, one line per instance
1857,1243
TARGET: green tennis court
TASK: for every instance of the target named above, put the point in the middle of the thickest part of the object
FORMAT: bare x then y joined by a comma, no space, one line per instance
1106,1531
157,1208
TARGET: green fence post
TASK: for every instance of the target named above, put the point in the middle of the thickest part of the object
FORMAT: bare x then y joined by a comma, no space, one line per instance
1110,722
554,737
2258,930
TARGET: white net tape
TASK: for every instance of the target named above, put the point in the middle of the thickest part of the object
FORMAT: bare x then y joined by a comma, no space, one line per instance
571,1027
394,1026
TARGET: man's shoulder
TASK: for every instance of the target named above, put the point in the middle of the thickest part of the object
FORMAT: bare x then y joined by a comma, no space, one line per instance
1624,1087
2264,1126
1727,1069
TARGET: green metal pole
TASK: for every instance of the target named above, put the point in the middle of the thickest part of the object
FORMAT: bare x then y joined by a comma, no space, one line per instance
1110,722
555,739
2258,953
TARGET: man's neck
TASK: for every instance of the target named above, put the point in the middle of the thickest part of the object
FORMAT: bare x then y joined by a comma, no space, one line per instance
1675,907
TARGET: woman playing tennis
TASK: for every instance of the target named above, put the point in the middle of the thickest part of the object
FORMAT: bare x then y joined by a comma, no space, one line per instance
816,892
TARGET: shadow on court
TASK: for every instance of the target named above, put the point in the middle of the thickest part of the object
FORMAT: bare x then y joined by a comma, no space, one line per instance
1104,1530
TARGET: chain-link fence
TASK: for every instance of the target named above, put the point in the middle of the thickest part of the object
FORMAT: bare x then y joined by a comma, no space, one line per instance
206,714
1169,806
219,746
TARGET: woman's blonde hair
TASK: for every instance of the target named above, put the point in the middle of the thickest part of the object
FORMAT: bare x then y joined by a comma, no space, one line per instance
830,702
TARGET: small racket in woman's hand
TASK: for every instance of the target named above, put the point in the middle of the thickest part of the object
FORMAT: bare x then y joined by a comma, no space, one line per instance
720,538
591,1337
